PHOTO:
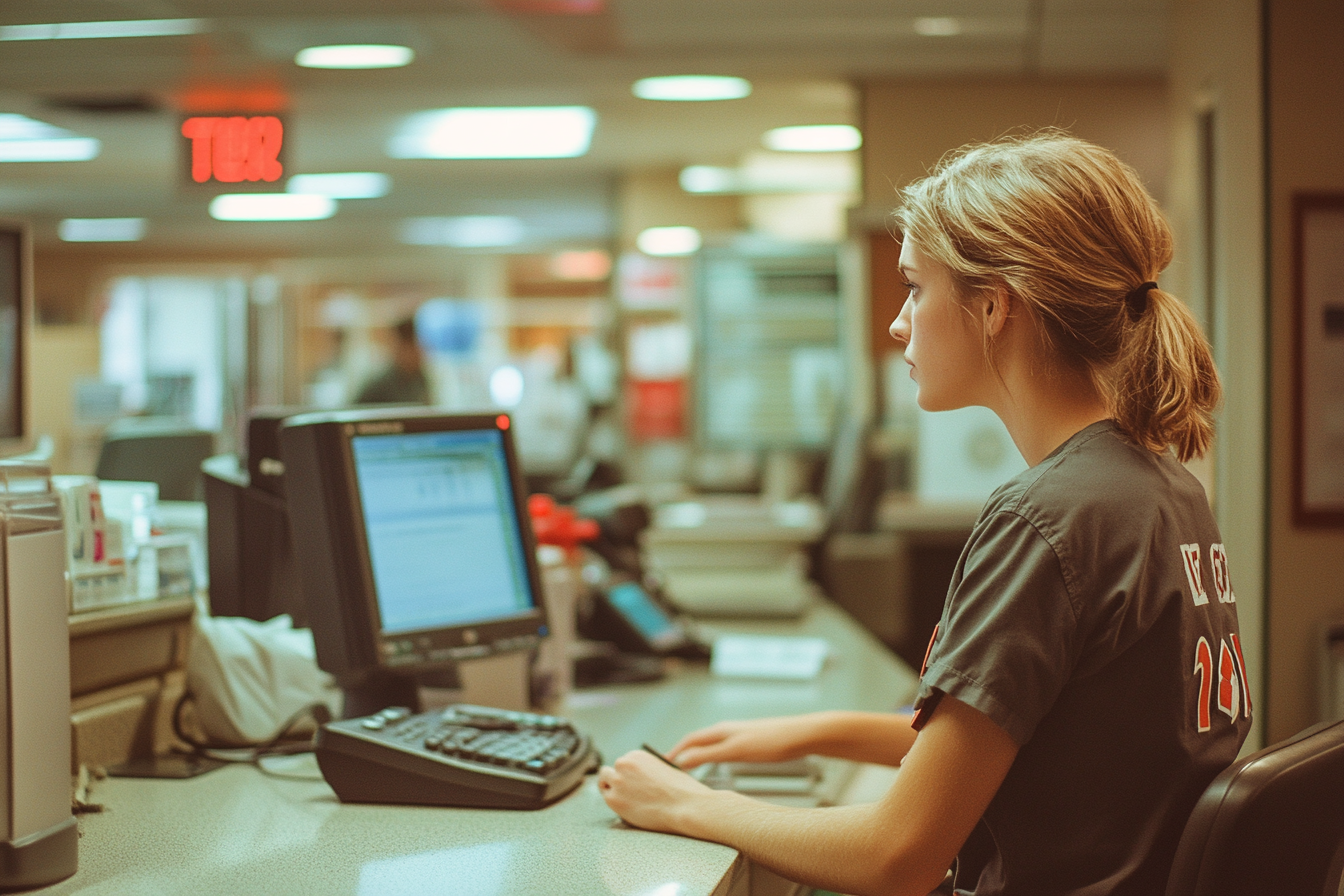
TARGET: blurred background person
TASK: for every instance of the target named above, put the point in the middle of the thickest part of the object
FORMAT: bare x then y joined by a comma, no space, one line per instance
404,380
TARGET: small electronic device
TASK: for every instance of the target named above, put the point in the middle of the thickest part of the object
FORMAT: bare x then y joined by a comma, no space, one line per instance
460,756
628,616
413,545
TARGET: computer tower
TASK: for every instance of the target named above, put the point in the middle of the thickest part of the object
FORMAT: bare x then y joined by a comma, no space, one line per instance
38,837
252,569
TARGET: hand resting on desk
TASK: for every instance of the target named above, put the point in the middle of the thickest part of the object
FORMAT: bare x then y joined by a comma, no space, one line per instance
645,791
881,738
754,740
900,845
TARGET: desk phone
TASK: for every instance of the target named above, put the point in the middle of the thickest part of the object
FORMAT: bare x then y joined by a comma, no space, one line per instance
462,755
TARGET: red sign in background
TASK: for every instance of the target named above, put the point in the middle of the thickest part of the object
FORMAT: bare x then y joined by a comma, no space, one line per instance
655,409
234,149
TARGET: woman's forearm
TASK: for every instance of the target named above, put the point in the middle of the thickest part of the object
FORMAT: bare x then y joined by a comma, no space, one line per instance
848,849
881,738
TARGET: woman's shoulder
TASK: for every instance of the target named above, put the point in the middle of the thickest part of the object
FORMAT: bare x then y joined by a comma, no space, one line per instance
1099,473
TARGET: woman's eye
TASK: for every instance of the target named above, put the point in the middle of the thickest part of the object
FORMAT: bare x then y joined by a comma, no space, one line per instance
910,287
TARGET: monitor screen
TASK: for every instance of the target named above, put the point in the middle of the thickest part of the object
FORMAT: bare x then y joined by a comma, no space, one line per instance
411,540
441,528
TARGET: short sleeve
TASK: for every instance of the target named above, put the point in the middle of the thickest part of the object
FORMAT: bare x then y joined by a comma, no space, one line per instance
1007,642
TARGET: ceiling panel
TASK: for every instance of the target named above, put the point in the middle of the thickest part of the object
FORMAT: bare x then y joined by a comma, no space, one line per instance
800,55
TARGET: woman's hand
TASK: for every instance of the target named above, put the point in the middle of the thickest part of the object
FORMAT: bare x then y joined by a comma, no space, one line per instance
758,740
648,793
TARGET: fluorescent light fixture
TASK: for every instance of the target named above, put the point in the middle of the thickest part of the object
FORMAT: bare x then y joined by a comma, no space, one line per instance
814,138
709,179
60,149
342,185
271,207
937,26
775,173
691,88
668,241
355,56
101,230
24,139
519,132
126,28
465,232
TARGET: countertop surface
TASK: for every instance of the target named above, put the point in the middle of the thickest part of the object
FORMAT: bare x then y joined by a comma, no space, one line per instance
239,831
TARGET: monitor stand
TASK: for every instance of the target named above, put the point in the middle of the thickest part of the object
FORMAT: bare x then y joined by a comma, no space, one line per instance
381,689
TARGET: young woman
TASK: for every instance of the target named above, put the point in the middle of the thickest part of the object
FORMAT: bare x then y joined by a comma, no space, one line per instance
1086,681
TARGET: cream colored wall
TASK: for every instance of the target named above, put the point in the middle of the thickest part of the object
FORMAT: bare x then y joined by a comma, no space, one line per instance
1306,132
909,125
1215,69
59,356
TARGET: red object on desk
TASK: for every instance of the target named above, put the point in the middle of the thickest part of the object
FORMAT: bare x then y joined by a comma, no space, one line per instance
559,525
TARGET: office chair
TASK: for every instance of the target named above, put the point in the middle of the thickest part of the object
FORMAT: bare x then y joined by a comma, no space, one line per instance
168,452
1270,825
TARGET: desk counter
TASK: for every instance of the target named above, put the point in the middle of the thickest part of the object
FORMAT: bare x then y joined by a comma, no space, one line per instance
239,832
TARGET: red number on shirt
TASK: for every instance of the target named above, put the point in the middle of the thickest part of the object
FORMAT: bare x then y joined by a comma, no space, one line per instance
1232,694
1204,669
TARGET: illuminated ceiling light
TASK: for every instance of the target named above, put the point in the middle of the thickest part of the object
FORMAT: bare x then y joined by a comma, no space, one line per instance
343,185
60,149
465,232
101,230
937,26
775,173
24,139
271,207
709,179
127,28
355,56
814,138
591,265
691,88
668,241
506,386
521,132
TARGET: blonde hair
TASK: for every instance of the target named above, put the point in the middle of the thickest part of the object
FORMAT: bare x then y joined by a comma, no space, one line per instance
1069,230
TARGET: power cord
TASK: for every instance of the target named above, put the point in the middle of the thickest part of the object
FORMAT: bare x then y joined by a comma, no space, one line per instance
280,744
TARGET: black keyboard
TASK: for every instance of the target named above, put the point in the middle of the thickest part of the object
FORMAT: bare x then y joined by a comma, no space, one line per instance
459,756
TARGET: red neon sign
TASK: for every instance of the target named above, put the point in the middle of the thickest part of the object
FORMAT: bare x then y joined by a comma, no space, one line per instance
234,149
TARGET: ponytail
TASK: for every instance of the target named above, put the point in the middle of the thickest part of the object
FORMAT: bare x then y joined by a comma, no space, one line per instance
1163,387
1071,232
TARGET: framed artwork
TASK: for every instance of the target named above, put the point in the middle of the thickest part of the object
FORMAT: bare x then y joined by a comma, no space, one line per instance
1318,247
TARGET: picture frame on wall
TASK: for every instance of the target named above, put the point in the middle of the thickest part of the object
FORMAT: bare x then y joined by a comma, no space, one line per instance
1318,286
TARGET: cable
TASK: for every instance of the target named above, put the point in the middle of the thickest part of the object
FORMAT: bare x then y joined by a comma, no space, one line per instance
254,753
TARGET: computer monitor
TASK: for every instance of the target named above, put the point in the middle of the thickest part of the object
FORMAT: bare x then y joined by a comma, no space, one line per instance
16,303
413,545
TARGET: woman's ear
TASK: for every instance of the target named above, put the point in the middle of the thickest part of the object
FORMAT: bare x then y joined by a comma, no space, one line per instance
996,307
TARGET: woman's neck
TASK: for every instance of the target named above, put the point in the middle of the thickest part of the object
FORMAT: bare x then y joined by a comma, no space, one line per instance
1043,406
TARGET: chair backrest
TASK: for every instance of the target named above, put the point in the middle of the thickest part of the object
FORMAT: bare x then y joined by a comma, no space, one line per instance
1270,825
169,454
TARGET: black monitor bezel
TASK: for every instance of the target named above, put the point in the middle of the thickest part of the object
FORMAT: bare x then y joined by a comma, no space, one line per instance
22,440
430,648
